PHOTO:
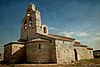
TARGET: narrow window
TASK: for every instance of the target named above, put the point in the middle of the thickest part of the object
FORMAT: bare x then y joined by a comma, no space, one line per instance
39,46
27,37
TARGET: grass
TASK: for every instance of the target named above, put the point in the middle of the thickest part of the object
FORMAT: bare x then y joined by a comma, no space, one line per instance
82,63
88,62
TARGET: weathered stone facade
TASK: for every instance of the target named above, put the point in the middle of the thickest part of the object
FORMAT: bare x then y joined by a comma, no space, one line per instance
64,52
42,52
83,52
14,52
36,45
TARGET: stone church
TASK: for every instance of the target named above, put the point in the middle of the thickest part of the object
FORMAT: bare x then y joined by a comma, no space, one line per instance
36,45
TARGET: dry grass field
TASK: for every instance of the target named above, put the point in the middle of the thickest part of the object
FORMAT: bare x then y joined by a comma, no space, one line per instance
82,63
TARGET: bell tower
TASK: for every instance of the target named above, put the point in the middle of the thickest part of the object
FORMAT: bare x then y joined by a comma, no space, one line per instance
31,23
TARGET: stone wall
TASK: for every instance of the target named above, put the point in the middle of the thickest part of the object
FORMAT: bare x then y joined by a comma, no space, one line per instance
40,52
7,53
14,52
82,52
90,54
64,52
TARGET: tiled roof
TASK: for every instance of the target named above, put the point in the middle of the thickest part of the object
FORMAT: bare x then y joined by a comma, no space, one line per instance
80,45
57,37
76,42
90,48
61,37
14,43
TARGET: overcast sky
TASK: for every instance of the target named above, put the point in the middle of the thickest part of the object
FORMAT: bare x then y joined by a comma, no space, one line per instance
79,19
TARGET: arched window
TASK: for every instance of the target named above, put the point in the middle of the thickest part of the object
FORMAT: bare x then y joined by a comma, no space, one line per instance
45,30
25,24
28,11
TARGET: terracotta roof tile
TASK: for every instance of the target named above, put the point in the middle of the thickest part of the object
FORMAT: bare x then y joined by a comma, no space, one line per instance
80,45
14,43
61,37
76,42
90,48
58,37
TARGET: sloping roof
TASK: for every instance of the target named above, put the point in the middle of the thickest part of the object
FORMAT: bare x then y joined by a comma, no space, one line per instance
76,42
14,43
57,37
79,45
61,37
90,48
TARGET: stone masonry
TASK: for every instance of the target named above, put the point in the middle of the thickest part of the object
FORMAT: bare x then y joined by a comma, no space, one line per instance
36,45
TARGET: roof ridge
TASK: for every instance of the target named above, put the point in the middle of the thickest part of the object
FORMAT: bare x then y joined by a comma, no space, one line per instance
62,36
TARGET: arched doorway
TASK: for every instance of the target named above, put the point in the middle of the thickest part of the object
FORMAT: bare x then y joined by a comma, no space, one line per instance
75,52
